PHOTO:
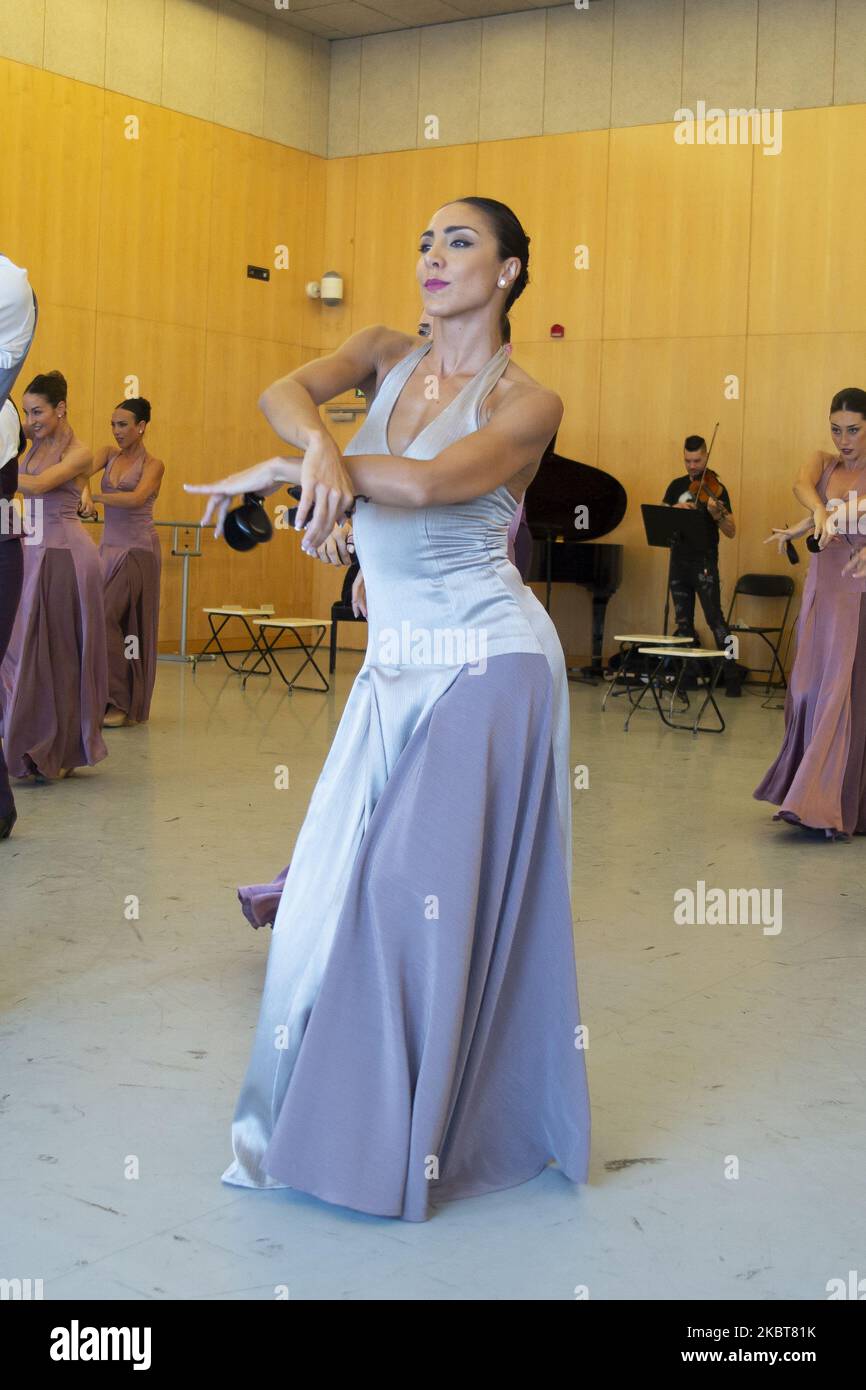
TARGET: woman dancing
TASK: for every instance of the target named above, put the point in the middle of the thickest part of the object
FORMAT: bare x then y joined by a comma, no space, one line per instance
819,778
131,562
18,316
54,677
419,1037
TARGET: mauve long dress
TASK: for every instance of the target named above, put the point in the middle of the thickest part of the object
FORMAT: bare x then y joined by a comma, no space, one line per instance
419,1035
54,676
131,562
819,777
11,578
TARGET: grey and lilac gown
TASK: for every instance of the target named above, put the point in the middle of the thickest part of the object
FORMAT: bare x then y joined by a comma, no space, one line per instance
131,562
419,1036
819,777
54,676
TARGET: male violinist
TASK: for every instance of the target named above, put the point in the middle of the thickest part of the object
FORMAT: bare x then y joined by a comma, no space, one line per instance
697,571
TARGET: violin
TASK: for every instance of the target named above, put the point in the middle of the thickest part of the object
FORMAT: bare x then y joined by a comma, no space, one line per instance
708,484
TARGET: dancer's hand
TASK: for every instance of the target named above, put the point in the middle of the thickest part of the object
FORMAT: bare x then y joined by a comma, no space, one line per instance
359,596
326,490
264,478
856,566
339,548
781,535
825,528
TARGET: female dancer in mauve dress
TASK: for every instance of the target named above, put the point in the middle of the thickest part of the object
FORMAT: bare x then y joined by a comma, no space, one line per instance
819,778
18,316
54,677
131,562
419,1037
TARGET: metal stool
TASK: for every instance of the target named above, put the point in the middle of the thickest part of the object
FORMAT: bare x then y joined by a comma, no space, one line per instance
627,643
684,655
296,626
227,612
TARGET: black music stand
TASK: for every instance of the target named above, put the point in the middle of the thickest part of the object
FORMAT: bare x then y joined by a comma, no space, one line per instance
668,526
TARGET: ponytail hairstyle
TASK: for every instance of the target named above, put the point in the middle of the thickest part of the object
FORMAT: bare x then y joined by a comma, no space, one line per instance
511,240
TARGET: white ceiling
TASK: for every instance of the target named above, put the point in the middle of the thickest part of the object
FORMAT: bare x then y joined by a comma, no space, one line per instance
347,19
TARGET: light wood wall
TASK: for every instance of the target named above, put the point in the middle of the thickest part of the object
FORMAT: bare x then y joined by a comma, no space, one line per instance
705,262
138,249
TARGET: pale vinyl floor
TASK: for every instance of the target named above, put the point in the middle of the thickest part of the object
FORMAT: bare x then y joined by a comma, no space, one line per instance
131,1037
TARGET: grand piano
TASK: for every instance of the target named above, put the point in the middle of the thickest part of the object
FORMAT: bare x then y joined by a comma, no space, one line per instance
562,553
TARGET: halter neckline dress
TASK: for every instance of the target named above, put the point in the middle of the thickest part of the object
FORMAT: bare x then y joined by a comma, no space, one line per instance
54,676
819,777
131,562
419,1032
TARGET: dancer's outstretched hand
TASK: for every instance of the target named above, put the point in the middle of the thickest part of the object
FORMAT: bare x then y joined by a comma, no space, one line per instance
780,536
260,478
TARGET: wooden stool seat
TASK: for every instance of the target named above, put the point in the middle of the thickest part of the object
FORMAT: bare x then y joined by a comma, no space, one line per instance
270,631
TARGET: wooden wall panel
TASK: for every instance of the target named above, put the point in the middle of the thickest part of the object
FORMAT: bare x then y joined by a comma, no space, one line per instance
155,214
259,202
397,194
556,186
677,254
808,268
654,393
65,339
49,217
336,251
138,252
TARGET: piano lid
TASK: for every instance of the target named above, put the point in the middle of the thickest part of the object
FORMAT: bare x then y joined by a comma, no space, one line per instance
562,484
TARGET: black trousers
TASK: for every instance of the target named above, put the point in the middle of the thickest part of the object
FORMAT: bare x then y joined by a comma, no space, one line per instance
691,575
11,575
699,575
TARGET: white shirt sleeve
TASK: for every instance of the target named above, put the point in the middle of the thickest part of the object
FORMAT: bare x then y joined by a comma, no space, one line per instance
17,314
8,433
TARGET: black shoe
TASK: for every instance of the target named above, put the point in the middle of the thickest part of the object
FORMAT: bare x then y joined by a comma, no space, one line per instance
7,823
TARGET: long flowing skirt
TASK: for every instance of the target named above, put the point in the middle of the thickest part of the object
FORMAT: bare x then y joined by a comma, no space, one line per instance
819,777
132,580
54,677
419,1037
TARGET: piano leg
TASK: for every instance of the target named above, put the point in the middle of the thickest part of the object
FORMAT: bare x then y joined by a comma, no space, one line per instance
592,674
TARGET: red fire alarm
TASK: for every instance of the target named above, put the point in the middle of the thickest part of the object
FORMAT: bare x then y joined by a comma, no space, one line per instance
557,330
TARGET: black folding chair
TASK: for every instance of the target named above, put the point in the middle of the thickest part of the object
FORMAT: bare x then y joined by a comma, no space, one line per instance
780,586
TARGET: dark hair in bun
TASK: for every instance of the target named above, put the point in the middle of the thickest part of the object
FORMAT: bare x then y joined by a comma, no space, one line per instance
51,385
852,398
511,241
138,406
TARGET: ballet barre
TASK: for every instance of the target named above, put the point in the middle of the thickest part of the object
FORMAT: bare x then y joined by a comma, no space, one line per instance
185,553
